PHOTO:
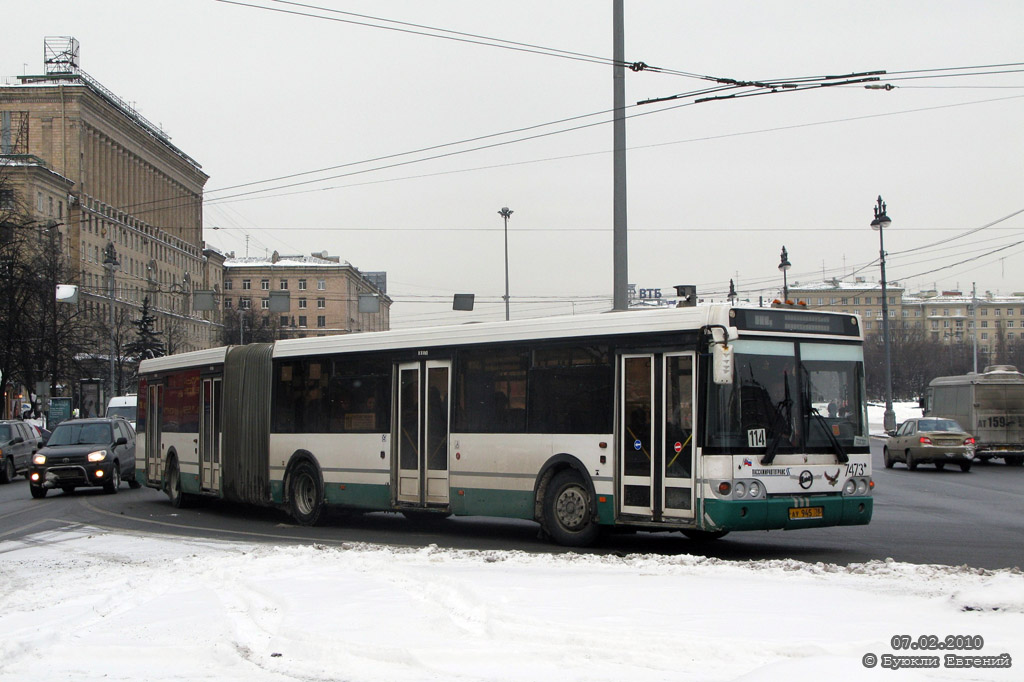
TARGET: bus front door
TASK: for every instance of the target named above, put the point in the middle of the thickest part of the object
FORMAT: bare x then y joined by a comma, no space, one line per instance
422,427
154,427
656,445
210,434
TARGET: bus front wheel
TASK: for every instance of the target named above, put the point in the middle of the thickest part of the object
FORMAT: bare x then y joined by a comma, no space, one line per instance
305,494
569,510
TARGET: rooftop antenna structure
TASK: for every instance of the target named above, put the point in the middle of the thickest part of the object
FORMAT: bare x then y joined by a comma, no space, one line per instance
60,54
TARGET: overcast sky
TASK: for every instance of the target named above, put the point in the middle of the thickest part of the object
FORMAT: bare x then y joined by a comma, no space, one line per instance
715,189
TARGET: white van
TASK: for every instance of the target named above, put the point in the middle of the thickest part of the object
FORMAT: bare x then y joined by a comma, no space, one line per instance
123,406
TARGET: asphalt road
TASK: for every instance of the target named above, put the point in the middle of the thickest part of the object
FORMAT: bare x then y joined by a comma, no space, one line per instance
925,517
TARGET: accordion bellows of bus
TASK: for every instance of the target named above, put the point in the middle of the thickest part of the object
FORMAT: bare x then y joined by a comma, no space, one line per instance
703,420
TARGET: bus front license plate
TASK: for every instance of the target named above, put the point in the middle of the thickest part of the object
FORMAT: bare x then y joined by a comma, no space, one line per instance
806,512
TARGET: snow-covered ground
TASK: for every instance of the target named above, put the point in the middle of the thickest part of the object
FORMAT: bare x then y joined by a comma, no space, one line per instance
87,604
92,604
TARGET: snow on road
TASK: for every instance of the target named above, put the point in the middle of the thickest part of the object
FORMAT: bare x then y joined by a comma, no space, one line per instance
89,604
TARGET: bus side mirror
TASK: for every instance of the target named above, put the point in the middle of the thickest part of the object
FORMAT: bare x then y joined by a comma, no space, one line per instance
721,364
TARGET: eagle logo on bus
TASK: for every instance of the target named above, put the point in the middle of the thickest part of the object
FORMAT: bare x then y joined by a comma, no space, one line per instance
832,480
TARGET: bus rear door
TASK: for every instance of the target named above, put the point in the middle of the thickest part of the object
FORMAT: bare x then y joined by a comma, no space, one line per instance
154,429
210,433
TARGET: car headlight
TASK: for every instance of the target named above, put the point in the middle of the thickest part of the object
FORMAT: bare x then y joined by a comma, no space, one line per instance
97,456
39,459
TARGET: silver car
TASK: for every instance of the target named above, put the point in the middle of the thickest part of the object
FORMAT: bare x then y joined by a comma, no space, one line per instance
930,440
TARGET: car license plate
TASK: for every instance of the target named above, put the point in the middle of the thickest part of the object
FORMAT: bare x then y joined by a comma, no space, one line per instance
806,512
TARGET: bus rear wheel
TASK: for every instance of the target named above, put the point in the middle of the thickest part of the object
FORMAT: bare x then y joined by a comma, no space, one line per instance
569,511
305,494
173,486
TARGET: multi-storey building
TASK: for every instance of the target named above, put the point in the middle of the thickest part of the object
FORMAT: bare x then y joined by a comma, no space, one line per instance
125,201
859,298
992,321
324,294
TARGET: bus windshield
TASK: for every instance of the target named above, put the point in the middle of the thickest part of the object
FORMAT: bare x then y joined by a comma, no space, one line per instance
789,397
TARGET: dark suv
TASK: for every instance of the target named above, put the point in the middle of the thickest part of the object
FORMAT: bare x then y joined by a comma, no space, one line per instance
85,453
18,442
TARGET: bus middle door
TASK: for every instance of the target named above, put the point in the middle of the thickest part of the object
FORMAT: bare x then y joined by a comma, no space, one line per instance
422,428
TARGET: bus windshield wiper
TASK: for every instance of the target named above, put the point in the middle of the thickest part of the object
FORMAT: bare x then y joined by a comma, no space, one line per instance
836,445
787,420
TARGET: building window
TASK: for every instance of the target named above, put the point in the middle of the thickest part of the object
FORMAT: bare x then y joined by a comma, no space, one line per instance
284,285
984,335
227,303
846,301
321,302
284,320
856,300
244,303
302,304
984,312
8,202
264,304
867,325
265,284
984,324
321,320
1009,323
867,300
246,284
302,285
935,324
321,284
302,320
996,311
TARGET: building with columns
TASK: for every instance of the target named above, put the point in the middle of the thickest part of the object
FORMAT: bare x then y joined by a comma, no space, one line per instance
127,202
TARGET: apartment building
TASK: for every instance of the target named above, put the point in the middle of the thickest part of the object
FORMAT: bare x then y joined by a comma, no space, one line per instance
993,321
325,295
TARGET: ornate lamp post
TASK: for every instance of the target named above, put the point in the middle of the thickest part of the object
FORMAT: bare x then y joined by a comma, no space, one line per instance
881,222
784,266
506,213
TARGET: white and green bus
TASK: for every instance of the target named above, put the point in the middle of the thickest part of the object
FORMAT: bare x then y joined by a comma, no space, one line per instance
701,419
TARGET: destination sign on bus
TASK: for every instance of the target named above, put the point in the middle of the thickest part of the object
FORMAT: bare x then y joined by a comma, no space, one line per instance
794,321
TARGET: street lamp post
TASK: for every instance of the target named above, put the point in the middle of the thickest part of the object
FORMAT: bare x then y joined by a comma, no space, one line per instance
506,213
784,266
881,222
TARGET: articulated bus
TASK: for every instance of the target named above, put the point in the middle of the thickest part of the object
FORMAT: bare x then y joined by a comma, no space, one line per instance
702,420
